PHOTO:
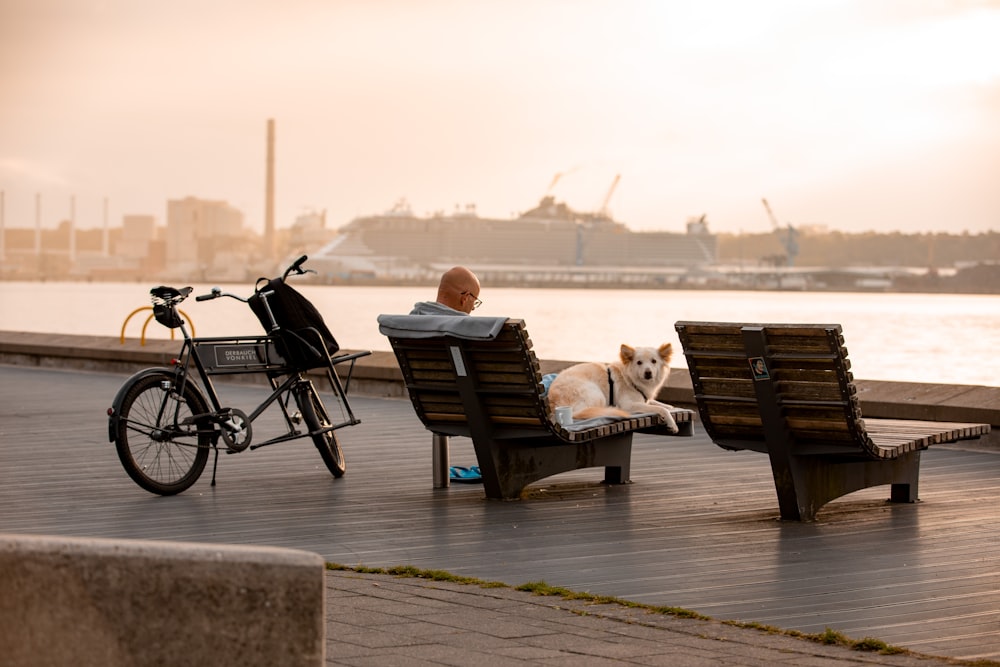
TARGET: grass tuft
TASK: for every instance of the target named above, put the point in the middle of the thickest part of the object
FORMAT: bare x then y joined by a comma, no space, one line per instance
829,636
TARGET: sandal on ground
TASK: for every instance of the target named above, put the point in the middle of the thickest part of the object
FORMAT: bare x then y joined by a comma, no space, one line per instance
468,475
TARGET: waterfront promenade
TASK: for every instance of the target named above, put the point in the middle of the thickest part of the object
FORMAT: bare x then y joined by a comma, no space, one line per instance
697,529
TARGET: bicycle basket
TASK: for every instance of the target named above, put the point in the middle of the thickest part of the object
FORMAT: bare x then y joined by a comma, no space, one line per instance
165,300
303,333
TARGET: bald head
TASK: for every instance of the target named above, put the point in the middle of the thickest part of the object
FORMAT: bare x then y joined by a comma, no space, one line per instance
459,289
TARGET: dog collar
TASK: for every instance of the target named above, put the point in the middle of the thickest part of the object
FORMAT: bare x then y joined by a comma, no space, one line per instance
611,389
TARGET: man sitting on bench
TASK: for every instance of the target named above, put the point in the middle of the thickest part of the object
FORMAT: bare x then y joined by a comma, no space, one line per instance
458,295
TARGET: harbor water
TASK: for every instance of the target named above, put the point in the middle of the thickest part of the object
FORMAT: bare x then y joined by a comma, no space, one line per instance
938,338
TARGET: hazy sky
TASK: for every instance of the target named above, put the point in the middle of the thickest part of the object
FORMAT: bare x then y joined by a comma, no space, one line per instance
859,114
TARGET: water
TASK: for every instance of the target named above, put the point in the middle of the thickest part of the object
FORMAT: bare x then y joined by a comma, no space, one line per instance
941,338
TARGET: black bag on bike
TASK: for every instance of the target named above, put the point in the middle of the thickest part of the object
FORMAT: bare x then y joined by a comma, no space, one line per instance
303,333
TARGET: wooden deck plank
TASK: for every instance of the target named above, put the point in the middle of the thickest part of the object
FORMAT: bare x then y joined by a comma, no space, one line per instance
696,529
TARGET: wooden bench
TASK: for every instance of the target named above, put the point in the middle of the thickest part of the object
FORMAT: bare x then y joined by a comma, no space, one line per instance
787,390
491,391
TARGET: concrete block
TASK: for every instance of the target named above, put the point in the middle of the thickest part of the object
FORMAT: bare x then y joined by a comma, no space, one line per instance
80,601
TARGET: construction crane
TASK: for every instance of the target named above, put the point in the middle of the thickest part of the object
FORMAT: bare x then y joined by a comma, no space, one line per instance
599,217
603,210
788,236
558,176
555,179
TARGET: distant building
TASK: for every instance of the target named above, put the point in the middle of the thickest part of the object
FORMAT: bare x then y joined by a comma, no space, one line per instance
138,234
205,237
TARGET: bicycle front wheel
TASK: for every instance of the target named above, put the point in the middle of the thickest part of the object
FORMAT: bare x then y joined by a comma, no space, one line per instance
159,443
315,417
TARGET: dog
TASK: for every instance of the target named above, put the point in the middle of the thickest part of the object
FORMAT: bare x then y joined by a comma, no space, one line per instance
618,389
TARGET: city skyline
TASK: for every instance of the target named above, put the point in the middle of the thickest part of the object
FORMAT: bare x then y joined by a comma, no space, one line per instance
862,116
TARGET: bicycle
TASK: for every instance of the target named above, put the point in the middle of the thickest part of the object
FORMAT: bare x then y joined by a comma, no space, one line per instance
164,421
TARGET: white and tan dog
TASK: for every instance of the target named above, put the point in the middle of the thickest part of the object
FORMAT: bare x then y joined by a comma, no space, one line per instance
624,387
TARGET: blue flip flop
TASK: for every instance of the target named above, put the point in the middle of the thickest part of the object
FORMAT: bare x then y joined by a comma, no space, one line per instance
469,475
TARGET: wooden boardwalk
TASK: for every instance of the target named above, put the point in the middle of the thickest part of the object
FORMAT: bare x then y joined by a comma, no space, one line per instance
696,529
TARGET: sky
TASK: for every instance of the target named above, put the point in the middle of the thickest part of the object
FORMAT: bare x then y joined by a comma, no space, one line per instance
860,115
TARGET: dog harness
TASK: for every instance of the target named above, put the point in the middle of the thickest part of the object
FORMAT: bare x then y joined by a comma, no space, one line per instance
611,389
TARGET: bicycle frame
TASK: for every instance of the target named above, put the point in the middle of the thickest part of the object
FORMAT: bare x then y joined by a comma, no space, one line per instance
245,355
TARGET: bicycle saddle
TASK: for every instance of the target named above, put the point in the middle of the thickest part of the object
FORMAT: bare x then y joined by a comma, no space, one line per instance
170,294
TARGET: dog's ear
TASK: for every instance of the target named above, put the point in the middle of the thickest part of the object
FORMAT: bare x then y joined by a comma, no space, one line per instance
627,353
666,352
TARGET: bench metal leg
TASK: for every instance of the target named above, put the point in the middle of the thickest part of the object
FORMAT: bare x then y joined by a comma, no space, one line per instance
807,483
441,461
511,465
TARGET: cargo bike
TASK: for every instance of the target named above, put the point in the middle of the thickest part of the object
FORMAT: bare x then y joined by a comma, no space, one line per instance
165,421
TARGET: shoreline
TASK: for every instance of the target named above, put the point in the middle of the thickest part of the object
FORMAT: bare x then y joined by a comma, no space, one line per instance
505,280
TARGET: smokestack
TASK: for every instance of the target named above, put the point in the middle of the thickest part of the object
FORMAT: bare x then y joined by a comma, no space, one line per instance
104,236
269,245
38,224
72,230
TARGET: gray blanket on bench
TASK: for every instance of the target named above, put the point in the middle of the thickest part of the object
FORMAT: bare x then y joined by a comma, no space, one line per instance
584,424
429,326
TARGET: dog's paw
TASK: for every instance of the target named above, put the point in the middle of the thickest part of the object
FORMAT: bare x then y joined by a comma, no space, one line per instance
670,423
663,412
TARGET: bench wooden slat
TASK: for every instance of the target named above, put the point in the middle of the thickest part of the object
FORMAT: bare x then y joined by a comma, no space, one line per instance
803,412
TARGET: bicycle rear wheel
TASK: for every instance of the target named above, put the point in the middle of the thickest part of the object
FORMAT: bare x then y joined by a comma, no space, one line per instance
160,446
315,417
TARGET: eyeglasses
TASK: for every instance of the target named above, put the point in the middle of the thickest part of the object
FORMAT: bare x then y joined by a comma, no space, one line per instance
476,303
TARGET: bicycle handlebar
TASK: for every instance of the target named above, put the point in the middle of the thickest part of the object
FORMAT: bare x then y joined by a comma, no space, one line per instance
215,294
295,268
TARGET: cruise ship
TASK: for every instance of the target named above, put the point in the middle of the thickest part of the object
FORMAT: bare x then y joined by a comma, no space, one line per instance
549,243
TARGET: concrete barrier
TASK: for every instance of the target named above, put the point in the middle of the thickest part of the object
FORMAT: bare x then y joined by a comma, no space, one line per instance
110,603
